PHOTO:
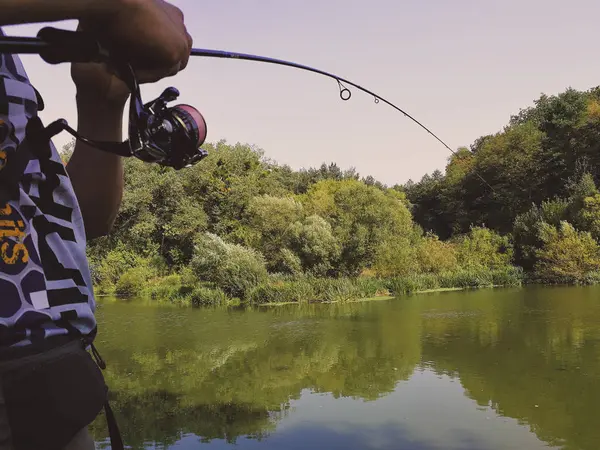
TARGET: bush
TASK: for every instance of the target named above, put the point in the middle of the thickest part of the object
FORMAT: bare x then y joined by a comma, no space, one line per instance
508,276
336,289
484,248
313,242
435,256
132,282
591,278
299,291
268,218
462,279
187,276
567,256
169,288
204,296
526,237
371,287
395,257
289,262
242,270
589,216
107,271
362,217
232,267
413,283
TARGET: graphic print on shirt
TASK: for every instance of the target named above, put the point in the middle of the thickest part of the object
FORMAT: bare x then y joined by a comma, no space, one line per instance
45,283
13,252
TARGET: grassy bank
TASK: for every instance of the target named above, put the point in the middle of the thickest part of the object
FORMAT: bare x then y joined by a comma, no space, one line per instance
285,289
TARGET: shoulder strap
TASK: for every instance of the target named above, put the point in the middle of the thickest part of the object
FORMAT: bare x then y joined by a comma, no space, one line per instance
116,441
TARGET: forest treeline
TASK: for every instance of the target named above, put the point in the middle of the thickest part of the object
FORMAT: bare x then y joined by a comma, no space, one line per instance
542,169
240,227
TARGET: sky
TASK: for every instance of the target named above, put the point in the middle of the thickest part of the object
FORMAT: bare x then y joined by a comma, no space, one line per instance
460,67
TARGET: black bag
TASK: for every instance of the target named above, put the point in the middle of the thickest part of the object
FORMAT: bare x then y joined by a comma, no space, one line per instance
51,396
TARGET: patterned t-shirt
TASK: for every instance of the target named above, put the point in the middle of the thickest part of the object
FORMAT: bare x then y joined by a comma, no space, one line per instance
45,282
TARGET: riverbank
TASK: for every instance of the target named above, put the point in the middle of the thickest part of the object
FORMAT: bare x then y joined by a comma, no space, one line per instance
280,289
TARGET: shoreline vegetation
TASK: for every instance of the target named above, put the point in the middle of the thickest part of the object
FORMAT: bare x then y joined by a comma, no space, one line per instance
238,228
280,290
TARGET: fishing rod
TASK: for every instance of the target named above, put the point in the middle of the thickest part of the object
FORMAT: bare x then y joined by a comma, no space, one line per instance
166,136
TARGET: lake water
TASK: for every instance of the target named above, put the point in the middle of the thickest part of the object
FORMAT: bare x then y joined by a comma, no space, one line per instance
488,369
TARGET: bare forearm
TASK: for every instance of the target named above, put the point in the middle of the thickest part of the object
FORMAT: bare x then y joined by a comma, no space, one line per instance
15,12
97,176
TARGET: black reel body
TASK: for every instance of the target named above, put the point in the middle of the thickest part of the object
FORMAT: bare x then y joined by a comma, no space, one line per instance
170,136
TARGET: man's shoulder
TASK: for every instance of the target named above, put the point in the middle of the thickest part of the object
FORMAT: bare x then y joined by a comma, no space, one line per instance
44,274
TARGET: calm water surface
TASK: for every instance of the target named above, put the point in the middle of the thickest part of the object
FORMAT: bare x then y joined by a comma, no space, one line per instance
489,369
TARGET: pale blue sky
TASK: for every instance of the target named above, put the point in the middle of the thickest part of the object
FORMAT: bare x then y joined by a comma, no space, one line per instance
461,67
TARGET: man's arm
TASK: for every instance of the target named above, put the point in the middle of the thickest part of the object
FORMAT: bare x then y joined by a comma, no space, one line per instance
149,34
152,36
16,12
97,176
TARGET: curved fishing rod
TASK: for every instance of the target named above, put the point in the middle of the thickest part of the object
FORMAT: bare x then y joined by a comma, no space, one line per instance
56,46
343,89
345,93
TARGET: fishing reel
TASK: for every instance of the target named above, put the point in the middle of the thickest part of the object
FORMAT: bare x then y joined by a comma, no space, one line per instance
166,135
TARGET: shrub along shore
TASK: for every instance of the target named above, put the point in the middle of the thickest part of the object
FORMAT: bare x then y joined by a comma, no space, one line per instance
239,228
282,289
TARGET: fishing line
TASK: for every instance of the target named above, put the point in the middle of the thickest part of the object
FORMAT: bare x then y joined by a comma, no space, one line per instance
345,93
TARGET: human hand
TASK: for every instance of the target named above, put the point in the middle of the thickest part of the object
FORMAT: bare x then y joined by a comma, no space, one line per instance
149,34
97,84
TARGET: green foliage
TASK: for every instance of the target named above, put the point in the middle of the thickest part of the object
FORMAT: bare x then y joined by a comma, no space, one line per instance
483,248
567,256
231,267
283,291
223,228
528,227
395,256
589,218
108,271
289,262
205,296
371,287
133,282
313,242
362,217
435,256
168,289
305,289
337,289
539,156
268,219
461,278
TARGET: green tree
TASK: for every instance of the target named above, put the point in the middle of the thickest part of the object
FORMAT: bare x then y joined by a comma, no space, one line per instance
567,256
362,218
312,240
589,217
268,219
436,256
484,248
233,268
